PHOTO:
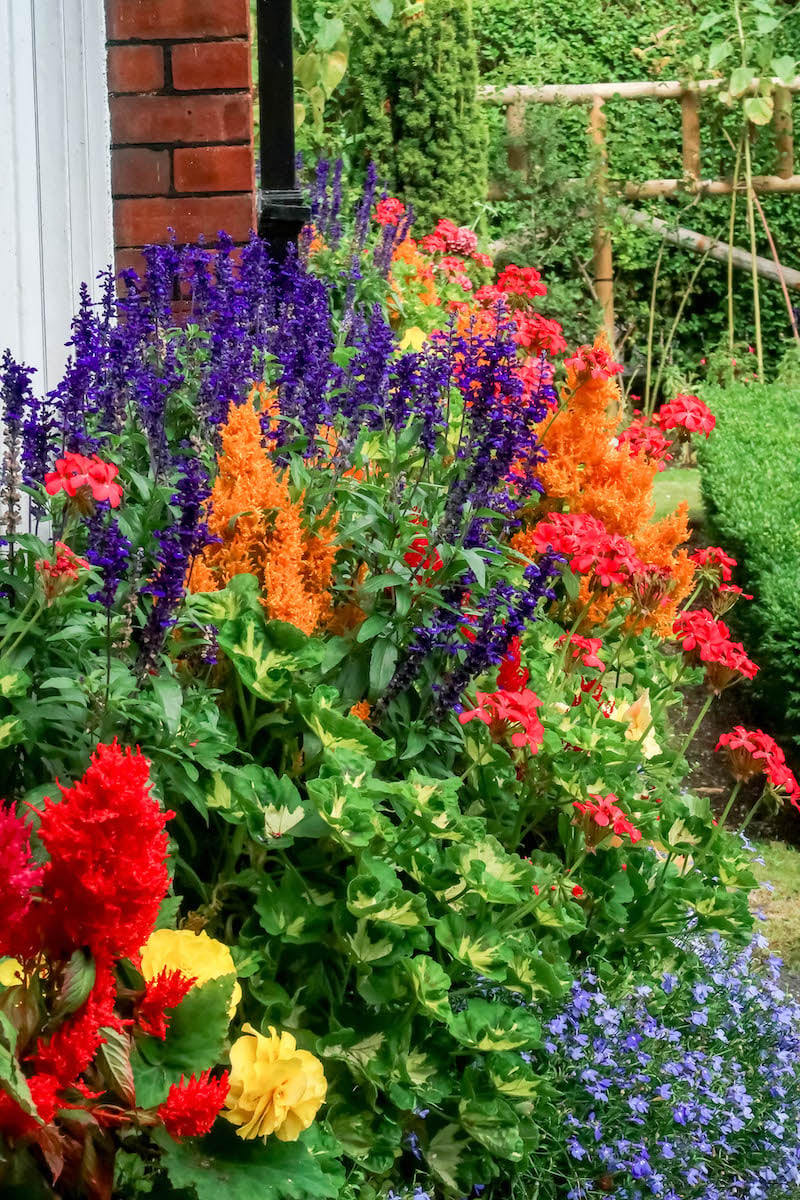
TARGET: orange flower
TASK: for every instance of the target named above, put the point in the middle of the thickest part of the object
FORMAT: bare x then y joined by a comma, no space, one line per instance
361,710
587,472
261,530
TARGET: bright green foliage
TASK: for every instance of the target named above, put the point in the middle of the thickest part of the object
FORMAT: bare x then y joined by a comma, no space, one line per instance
416,85
750,486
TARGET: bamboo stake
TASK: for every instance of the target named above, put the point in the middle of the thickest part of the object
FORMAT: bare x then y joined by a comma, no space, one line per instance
784,139
603,268
689,239
690,134
585,93
517,149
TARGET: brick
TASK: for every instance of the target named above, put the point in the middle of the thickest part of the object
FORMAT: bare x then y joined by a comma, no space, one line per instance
139,222
142,19
197,66
136,171
135,68
178,119
214,169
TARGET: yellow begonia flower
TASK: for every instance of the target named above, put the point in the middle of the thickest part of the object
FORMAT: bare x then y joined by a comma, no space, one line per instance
196,955
639,717
413,338
274,1087
10,972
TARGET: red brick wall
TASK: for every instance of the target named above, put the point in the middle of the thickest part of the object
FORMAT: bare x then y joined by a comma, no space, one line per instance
181,121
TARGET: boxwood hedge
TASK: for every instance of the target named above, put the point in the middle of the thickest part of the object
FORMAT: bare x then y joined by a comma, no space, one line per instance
751,487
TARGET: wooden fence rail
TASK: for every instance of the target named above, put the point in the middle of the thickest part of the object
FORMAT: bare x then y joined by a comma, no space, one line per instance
516,97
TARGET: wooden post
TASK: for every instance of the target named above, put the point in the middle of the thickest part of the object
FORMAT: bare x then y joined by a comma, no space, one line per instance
784,141
603,267
517,151
690,133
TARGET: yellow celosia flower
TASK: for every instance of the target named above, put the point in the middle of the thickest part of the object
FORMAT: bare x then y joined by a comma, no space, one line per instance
195,955
10,972
274,1087
638,716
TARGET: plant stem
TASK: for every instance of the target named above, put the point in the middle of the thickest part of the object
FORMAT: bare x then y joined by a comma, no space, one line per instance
751,222
698,722
731,229
731,798
752,812
650,326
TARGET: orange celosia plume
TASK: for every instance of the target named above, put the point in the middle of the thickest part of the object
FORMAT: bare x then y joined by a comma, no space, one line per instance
262,531
587,472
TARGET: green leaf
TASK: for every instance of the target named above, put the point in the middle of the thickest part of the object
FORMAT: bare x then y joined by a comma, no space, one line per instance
225,1166
383,10
475,945
784,67
329,30
169,694
494,1124
337,732
370,628
759,109
376,894
484,1025
718,53
12,1080
12,732
267,656
740,80
445,1151
381,665
14,683
334,69
79,977
194,1043
114,1062
431,985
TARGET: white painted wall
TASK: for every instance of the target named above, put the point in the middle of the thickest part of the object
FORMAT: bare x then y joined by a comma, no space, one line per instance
55,185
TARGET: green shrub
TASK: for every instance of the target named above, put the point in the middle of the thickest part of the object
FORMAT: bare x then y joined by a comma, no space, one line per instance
750,485
413,95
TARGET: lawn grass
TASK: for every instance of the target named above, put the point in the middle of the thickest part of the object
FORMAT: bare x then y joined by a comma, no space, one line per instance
676,484
782,906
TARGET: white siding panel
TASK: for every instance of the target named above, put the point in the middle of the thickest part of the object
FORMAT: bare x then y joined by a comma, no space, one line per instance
55,191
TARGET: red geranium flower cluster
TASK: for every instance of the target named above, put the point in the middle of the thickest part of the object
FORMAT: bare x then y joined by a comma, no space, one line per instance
521,281
687,413
57,576
593,362
192,1105
389,211
706,640
641,437
536,333
586,649
502,710
74,472
713,564
449,238
751,751
604,812
607,557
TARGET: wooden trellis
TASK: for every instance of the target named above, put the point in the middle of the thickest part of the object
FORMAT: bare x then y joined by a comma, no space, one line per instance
516,98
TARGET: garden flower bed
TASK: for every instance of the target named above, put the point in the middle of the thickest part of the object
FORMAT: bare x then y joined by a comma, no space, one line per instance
339,658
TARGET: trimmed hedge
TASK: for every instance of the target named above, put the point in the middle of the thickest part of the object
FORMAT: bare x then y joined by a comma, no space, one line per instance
751,487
